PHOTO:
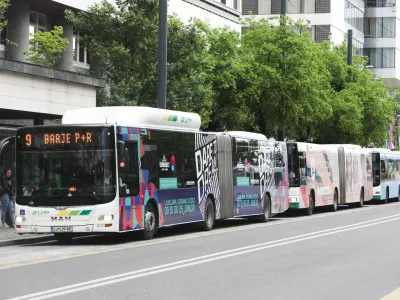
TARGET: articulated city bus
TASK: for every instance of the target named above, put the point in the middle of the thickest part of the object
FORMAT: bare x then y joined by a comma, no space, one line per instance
386,174
328,175
117,169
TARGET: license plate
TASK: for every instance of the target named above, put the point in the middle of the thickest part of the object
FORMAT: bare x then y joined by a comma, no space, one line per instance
61,229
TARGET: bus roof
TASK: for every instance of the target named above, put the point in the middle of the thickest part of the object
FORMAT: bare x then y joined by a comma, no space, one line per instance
348,146
246,135
138,116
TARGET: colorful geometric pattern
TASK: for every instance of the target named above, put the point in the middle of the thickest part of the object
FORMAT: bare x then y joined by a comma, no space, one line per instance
170,118
64,213
132,209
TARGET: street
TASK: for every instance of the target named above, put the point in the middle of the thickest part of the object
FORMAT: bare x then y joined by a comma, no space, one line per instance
350,254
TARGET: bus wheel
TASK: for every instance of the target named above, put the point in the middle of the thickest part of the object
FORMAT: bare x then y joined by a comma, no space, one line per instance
386,197
361,203
267,210
150,224
64,238
334,206
209,215
311,204
398,196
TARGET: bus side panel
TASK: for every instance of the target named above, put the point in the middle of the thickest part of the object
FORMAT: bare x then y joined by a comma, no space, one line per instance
321,177
177,170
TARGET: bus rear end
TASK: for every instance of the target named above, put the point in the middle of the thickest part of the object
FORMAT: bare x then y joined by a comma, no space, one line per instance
66,180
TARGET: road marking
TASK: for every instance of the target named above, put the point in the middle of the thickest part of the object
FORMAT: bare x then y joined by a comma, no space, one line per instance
198,260
136,244
395,295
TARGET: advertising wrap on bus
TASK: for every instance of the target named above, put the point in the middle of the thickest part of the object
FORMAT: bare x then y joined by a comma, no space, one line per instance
116,178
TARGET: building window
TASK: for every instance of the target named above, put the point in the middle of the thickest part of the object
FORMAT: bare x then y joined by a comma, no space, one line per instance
250,6
37,22
380,3
381,57
322,33
380,27
3,34
295,6
354,16
81,55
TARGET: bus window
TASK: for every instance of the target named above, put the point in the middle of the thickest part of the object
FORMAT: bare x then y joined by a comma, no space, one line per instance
376,171
128,170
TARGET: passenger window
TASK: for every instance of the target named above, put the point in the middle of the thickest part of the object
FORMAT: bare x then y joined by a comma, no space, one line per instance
128,169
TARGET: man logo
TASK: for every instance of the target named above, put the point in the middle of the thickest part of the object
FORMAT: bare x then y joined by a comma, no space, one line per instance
61,218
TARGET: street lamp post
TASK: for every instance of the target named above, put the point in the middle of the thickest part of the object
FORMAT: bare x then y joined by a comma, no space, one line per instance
162,54
281,125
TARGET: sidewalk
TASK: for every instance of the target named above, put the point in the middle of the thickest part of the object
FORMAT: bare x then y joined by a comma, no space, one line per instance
9,237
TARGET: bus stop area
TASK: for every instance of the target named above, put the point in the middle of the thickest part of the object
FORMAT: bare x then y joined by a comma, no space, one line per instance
8,236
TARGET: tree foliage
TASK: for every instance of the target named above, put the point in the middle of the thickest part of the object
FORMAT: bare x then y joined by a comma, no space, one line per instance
47,47
4,4
237,81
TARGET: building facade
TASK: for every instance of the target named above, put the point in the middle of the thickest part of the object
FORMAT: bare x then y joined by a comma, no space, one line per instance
374,24
38,93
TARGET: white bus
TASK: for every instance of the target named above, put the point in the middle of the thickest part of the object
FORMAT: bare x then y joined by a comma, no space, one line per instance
386,174
328,175
118,169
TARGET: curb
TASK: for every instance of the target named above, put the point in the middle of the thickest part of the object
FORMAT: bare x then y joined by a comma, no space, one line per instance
30,240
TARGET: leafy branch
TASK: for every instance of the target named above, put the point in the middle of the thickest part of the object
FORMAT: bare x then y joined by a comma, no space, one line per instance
47,47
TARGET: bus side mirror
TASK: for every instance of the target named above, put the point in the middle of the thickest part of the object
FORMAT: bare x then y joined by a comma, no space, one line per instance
121,149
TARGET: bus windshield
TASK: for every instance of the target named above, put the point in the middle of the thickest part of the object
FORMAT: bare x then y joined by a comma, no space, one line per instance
293,165
65,166
376,168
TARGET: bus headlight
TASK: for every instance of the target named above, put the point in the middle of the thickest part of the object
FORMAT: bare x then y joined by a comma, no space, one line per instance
20,219
106,217
293,199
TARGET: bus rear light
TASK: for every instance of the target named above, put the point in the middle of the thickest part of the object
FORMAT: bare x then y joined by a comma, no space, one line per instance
108,225
18,226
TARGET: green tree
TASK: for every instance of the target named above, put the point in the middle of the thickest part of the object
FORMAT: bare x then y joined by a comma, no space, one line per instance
122,40
47,47
361,104
4,4
300,78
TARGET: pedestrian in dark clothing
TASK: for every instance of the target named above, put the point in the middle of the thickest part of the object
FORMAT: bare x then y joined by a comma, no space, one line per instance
6,197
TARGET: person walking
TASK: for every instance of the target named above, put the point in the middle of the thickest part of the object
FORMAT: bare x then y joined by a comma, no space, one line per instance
6,197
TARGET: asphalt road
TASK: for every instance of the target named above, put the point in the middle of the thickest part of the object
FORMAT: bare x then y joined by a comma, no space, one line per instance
350,254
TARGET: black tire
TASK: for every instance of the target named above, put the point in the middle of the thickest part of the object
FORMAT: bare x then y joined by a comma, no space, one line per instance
311,205
64,238
150,222
386,200
266,216
398,196
334,206
209,215
361,203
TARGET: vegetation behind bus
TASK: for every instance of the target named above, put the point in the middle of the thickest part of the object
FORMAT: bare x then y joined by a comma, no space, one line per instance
233,81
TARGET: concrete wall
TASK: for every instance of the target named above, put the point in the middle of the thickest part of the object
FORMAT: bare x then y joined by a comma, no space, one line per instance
26,92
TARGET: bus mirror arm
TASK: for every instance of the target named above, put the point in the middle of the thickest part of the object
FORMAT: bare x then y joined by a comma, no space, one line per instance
121,149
